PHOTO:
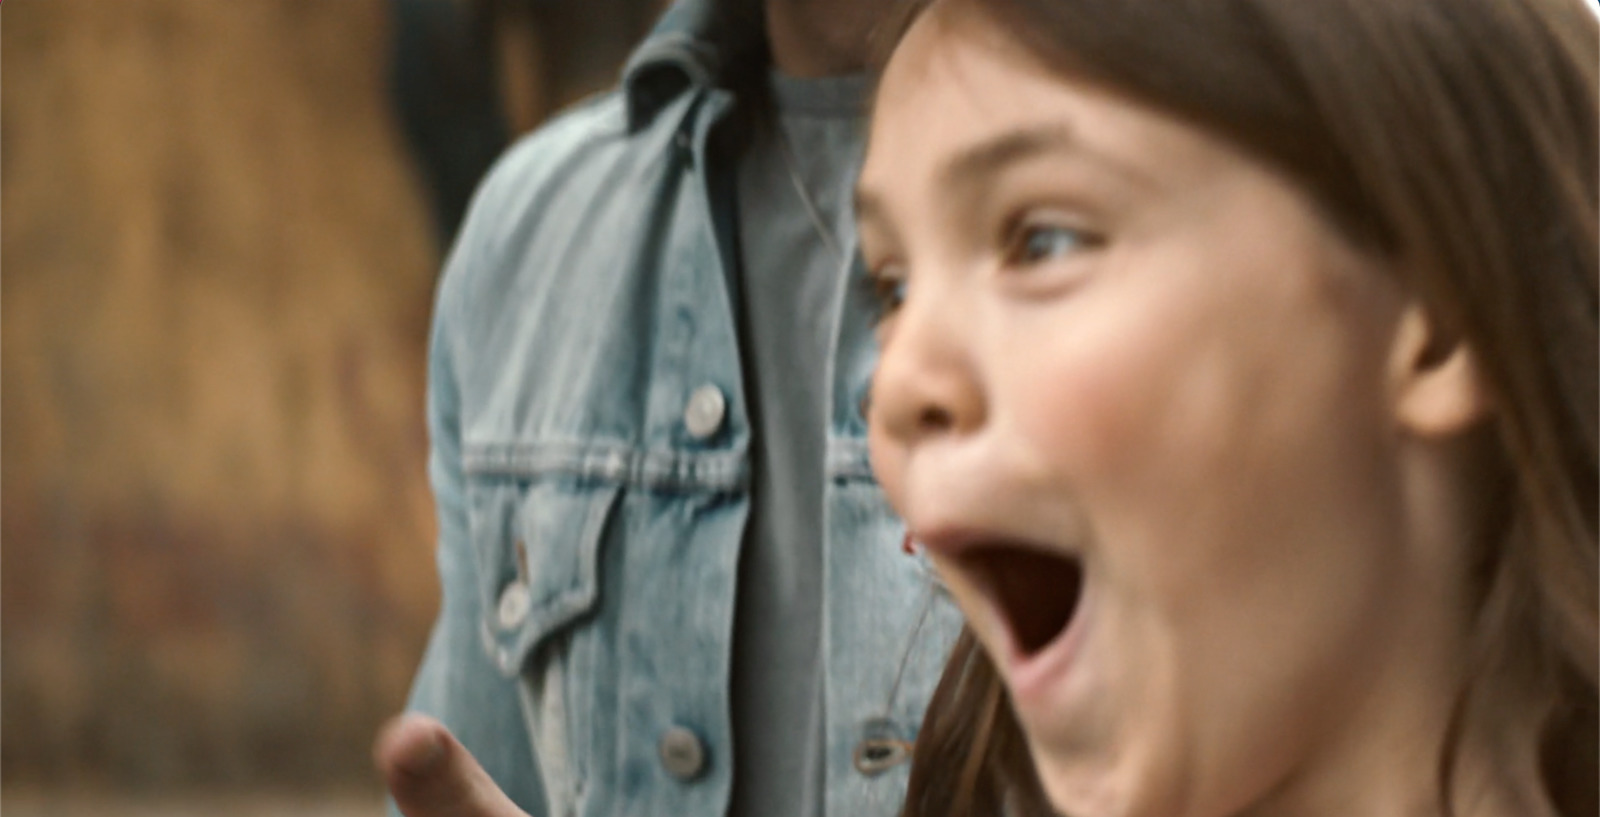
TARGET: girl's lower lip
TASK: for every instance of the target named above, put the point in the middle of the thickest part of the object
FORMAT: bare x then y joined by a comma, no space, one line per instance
1033,677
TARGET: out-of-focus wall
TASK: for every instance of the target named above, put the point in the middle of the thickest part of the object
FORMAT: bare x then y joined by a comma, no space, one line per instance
215,528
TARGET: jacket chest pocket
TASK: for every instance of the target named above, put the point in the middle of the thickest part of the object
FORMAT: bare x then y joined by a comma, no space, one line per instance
537,545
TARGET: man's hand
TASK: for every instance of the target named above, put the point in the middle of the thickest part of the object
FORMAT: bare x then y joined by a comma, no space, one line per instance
430,774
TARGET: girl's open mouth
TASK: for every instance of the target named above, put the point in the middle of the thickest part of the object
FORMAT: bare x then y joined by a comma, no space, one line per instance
1036,590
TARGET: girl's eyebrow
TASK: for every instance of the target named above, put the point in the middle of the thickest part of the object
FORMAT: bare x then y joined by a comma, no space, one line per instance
965,173
969,169
972,165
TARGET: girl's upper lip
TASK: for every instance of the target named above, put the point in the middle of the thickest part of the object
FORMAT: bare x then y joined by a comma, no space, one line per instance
956,541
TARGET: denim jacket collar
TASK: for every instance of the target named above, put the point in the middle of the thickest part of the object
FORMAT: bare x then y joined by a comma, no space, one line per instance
681,52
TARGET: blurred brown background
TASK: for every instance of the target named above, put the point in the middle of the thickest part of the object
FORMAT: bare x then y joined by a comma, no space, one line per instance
216,269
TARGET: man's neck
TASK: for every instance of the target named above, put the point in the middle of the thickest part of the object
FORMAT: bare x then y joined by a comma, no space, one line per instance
820,38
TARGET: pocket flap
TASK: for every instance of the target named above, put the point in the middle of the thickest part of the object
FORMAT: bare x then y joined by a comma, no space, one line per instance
539,552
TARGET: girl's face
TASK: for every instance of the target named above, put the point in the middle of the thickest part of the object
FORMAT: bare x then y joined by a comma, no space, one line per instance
1137,399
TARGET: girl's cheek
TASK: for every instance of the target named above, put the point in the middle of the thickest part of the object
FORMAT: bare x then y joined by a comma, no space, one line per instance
1090,404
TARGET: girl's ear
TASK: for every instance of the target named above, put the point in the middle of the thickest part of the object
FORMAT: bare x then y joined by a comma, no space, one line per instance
1436,387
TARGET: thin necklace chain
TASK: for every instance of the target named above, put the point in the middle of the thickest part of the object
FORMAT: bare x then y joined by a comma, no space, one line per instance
815,213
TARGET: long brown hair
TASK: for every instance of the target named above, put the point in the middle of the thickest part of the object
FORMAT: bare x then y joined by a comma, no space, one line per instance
1459,136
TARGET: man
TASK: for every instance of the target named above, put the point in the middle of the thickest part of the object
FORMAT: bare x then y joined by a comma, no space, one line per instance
671,586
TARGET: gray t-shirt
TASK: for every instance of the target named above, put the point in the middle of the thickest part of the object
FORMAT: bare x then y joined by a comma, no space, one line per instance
791,280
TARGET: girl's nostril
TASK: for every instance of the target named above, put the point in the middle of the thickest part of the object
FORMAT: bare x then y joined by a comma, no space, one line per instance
934,419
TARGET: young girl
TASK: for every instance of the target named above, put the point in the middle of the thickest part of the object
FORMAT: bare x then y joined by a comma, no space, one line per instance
1239,375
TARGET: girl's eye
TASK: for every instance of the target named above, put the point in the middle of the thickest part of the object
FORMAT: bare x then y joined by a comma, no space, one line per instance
1042,242
887,287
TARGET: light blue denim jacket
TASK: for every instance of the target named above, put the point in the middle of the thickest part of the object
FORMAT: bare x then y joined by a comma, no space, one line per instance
591,466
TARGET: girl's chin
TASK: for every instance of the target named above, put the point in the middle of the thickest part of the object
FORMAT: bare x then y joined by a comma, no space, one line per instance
1078,787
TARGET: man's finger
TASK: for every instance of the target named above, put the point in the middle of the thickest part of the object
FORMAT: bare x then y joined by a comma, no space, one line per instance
430,774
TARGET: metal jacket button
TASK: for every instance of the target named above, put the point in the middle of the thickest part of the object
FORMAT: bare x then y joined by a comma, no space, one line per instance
685,147
881,748
682,753
513,606
705,412
875,756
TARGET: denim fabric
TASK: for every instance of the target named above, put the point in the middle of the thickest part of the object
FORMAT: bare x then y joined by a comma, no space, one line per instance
589,537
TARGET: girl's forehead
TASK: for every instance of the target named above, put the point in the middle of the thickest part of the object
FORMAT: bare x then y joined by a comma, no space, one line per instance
958,95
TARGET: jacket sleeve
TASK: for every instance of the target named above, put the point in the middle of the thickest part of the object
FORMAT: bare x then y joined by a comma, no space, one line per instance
456,682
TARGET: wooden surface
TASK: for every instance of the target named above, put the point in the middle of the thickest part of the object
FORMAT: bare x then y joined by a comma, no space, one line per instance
19,803
215,528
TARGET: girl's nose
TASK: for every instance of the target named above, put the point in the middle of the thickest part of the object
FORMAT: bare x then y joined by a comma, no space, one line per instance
927,383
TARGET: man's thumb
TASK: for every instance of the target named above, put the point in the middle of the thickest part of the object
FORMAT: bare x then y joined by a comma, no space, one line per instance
430,774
